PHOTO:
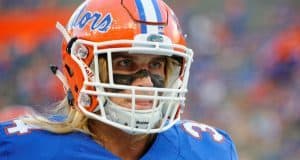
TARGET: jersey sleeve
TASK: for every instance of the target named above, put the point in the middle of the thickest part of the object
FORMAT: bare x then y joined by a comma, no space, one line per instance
205,142
230,142
234,154
15,138
19,141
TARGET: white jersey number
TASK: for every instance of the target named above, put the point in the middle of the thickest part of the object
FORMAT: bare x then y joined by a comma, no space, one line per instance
19,127
196,129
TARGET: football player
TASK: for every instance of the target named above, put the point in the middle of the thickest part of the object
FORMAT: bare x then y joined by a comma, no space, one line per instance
125,72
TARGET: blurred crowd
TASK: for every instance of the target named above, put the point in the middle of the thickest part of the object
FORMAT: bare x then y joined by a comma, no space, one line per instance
246,69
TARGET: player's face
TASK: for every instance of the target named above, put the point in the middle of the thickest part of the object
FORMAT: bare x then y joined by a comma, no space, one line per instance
138,70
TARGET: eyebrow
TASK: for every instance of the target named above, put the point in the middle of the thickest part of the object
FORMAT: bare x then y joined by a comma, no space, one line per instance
121,55
126,55
160,58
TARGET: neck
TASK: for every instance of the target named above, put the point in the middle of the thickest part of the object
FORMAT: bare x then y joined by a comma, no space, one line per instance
120,143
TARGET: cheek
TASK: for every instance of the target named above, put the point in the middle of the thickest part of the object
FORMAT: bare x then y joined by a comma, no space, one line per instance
116,100
161,72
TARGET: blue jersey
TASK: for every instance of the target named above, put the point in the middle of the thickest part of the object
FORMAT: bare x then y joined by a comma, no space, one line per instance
184,141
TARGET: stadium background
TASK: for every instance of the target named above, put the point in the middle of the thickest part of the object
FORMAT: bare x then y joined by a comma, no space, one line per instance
245,77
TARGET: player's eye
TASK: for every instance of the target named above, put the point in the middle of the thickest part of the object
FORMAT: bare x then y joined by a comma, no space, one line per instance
156,65
125,63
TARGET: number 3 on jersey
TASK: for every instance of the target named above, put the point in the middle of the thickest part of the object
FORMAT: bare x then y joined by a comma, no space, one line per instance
195,129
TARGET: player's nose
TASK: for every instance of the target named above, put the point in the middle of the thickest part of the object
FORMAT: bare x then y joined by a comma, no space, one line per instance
143,82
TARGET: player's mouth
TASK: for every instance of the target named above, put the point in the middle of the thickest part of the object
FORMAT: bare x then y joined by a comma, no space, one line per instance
143,104
139,104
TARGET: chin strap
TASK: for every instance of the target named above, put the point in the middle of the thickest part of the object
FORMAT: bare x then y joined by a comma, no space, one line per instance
124,116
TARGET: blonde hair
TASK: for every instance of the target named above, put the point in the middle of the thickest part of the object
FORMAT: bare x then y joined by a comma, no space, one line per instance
75,120
172,72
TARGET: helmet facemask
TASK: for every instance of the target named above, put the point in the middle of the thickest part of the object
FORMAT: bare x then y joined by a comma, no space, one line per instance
103,85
